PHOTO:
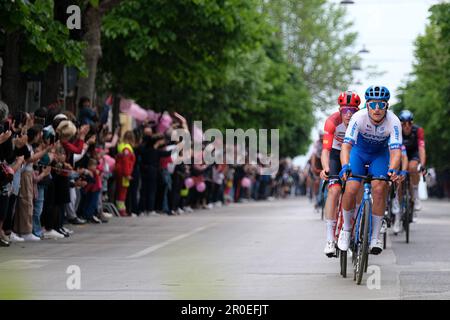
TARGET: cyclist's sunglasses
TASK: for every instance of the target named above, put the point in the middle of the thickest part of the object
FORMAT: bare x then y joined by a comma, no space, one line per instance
346,110
377,104
409,123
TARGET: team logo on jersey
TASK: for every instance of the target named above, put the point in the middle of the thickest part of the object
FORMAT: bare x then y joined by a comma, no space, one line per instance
355,125
397,134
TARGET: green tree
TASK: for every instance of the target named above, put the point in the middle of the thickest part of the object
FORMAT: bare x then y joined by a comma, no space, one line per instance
169,54
93,12
216,61
316,40
427,92
32,40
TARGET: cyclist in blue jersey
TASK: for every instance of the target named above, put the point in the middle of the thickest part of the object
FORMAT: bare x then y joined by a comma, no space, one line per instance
374,138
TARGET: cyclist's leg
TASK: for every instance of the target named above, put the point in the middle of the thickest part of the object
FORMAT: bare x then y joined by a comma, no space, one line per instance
310,184
399,192
396,205
348,208
352,187
334,191
378,167
320,195
349,198
360,194
414,176
317,191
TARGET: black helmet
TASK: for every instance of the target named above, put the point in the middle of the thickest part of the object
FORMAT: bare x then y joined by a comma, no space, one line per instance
406,116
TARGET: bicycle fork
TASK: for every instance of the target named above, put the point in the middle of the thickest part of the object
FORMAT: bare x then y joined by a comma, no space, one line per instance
367,200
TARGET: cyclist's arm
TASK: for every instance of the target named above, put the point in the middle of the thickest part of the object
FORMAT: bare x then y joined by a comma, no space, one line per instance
395,144
404,162
325,159
314,163
345,153
327,142
351,137
395,158
421,143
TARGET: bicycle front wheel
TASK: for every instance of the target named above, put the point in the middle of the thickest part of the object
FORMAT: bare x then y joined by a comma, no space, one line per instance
363,247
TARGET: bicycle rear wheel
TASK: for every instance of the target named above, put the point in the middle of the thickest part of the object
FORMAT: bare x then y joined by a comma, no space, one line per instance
363,245
343,260
323,210
390,200
409,206
323,199
407,216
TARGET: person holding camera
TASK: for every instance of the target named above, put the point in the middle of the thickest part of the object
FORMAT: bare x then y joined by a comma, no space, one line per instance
23,222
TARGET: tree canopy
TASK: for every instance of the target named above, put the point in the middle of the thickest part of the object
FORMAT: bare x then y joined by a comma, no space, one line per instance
230,63
427,92
43,38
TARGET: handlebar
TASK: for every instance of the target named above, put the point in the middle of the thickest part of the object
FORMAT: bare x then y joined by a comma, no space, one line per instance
326,181
370,178
423,171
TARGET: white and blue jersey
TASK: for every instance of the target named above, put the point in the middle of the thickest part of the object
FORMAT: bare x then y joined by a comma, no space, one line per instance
374,138
371,143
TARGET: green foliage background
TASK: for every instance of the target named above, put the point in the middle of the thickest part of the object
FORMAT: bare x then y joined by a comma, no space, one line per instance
427,92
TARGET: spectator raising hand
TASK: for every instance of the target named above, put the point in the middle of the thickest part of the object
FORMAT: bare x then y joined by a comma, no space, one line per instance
4,136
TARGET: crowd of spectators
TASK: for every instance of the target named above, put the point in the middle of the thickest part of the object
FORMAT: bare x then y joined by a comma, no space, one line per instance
58,168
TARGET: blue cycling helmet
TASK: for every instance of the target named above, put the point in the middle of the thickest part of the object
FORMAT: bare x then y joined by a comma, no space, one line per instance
377,93
406,116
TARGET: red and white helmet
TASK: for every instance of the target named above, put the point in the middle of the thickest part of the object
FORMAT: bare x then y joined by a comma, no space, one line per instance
349,99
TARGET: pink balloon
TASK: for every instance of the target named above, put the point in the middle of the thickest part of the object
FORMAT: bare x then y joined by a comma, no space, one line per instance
164,123
246,182
125,104
133,109
110,161
189,183
198,134
152,115
200,187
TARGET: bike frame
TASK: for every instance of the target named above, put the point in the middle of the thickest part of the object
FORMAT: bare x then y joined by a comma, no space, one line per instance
405,189
367,200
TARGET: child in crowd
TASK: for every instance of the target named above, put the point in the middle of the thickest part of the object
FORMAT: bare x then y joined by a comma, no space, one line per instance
125,160
92,191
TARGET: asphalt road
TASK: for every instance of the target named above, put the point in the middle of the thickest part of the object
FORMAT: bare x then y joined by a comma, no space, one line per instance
255,250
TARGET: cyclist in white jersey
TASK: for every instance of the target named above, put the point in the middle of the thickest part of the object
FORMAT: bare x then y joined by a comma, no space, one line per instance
374,138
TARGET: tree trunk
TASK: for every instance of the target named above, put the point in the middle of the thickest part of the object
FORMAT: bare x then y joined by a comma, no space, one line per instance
51,84
92,22
93,52
11,71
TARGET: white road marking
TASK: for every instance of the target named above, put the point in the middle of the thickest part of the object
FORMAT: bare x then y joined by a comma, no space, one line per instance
23,264
167,242
421,220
